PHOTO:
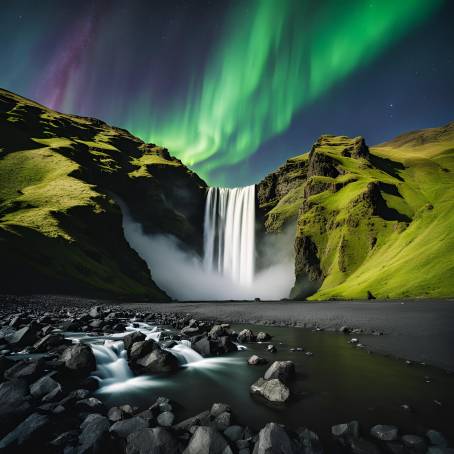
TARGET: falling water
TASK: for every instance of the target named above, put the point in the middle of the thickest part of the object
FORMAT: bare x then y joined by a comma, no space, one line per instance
229,233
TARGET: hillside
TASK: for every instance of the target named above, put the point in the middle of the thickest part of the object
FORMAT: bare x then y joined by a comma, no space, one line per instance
60,228
372,222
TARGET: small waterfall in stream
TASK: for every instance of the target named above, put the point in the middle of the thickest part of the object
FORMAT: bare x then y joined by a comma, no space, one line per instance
111,361
229,233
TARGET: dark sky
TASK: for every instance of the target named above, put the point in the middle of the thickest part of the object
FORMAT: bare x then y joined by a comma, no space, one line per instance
234,88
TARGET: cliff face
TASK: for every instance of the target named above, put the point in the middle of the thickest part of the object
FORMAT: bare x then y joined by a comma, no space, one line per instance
60,228
369,222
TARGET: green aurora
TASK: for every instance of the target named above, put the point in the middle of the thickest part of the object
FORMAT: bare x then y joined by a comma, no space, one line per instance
267,66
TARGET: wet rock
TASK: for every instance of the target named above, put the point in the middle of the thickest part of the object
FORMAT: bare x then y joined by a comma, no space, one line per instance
95,434
262,336
349,429
166,419
436,438
69,438
310,441
384,432
26,432
233,433
207,440
273,390
89,404
45,386
5,364
128,426
25,369
79,359
202,346
223,420
218,331
95,312
211,347
273,439
50,341
282,370
415,443
255,360
362,446
202,419
132,338
24,336
246,336
158,361
13,399
142,348
152,441
219,408
118,413
271,348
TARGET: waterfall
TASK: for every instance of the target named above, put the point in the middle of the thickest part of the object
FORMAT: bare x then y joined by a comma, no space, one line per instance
229,233
111,361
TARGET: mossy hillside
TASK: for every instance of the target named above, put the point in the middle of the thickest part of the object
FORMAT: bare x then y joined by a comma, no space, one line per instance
57,175
379,221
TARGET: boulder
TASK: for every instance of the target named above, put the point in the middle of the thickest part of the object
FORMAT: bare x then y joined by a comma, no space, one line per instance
348,429
118,413
273,439
223,420
69,438
13,399
415,443
436,438
30,430
24,336
273,390
156,362
245,336
95,434
79,359
233,433
255,360
131,338
166,419
45,386
362,446
152,441
142,348
202,346
95,312
219,408
128,426
50,341
202,419
89,404
27,369
207,440
282,370
384,432
5,364
262,336
310,441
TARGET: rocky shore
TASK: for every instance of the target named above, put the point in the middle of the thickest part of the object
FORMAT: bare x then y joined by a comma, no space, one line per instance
47,401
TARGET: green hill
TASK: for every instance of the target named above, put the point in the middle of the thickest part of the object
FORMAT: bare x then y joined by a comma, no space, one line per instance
60,228
370,222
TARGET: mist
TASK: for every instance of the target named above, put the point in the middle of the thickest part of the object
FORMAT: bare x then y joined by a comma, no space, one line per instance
182,276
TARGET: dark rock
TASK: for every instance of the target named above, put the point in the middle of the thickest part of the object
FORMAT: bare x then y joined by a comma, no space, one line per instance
158,361
262,336
435,438
152,441
349,429
95,312
362,446
89,404
255,360
13,399
273,390
271,348
28,369
310,441
415,443
384,432
223,420
24,336
131,338
50,341
246,336
79,359
45,386
273,439
219,408
282,370
5,364
94,437
69,438
26,432
142,348
233,433
202,419
128,426
207,440
118,413
166,419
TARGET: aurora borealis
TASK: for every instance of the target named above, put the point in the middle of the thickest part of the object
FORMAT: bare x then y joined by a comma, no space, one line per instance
224,84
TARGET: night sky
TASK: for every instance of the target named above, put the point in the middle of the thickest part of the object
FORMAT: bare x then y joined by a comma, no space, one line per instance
234,88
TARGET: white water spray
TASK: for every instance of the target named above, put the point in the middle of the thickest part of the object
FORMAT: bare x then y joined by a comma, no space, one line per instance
229,233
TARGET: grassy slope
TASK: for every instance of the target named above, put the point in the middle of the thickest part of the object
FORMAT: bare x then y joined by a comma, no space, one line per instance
400,249
57,228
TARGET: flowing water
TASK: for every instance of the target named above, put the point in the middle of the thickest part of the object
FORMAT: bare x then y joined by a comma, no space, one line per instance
338,383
